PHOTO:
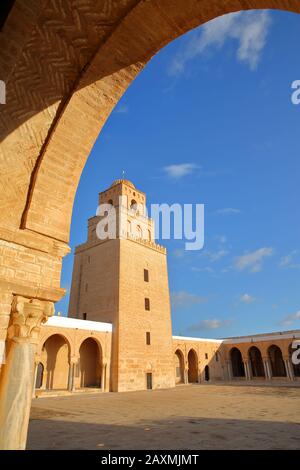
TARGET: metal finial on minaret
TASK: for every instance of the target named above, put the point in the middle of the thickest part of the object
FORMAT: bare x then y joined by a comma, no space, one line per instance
123,174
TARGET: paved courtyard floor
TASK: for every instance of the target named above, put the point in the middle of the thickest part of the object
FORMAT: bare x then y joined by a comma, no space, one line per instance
186,417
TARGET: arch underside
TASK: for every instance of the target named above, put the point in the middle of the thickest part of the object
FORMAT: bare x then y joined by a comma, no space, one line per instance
55,362
192,366
64,74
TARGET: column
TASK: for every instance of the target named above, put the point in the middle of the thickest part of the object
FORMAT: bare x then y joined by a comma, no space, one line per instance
6,299
72,371
267,368
36,364
186,376
70,377
16,381
224,372
289,368
107,376
103,377
73,375
247,368
229,370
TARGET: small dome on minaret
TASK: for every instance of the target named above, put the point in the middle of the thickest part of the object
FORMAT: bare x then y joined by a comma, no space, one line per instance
127,182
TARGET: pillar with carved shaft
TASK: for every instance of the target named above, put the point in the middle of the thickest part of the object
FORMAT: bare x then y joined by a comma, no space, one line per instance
72,372
229,370
186,374
247,368
199,373
36,365
267,368
289,368
16,383
103,376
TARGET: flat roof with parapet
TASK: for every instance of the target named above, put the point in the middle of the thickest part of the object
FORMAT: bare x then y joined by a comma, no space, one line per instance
264,336
293,334
66,322
189,338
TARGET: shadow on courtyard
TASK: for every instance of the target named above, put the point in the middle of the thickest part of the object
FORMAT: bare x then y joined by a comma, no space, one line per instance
178,433
185,417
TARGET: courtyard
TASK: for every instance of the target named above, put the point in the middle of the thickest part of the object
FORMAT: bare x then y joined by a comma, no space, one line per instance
211,416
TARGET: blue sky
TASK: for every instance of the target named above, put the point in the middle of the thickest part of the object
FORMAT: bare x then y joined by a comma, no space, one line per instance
210,120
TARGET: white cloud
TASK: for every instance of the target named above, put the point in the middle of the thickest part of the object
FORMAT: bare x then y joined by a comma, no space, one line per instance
292,318
178,253
247,299
184,299
221,238
216,255
248,29
206,269
180,170
211,324
252,261
228,211
289,261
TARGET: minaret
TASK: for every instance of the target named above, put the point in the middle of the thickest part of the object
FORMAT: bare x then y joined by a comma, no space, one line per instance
124,281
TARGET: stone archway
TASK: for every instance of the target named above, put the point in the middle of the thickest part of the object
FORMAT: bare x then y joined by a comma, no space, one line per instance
256,362
179,366
206,373
295,367
56,357
59,121
192,366
39,376
91,52
90,363
238,369
277,362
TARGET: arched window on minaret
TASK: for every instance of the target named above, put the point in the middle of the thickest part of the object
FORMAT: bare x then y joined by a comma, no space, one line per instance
133,205
139,231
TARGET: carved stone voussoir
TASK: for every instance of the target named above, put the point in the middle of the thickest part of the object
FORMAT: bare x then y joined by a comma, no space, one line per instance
26,318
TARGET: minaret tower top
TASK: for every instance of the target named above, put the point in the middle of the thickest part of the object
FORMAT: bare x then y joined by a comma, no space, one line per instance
127,191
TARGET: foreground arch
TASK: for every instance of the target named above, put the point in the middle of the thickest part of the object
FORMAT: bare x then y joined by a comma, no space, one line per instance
192,366
179,366
238,369
55,358
55,109
277,362
295,367
256,361
90,363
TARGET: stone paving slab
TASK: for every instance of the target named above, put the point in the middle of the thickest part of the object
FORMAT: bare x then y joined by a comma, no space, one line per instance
186,417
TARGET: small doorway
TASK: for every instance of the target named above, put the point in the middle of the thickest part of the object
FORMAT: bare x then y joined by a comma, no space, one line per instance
206,373
149,380
192,367
39,375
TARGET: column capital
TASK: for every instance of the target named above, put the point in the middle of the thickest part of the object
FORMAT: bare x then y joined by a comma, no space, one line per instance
37,359
26,318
